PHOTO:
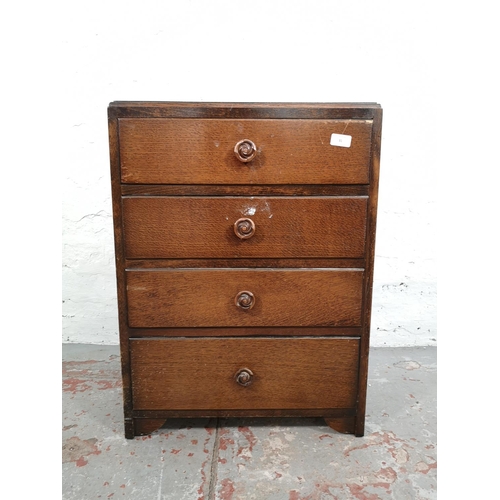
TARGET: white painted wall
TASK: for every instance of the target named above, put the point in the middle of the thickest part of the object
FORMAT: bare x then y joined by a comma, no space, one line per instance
316,51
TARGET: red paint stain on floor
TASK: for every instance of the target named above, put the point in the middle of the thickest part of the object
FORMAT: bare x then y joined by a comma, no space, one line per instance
201,495
224,442
72,365
323,436
249,436
77,375
81,462
75,385
108,384
75,450
80,363
384,478
227,489
387,476
389,439
251,440
425,468
357,491
205,448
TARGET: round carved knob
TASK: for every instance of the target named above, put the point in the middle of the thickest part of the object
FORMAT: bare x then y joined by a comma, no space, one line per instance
245,300
245,150
244,377
244,228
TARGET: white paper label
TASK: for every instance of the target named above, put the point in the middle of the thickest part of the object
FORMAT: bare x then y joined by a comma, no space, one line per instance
344,141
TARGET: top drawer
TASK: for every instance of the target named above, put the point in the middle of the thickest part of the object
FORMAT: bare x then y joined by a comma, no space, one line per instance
202,151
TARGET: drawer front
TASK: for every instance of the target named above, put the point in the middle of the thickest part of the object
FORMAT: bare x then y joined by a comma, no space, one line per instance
187,151
204,227
185,374
219,297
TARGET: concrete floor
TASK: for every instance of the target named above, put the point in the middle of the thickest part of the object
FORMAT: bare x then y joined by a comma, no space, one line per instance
251,459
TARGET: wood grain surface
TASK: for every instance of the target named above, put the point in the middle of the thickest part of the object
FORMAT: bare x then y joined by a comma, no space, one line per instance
183,151
287,373
243,110
202,227
205,297
303,258
247,331
242,190
290,262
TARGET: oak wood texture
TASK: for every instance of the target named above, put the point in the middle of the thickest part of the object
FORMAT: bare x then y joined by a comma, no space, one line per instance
203,227
180,151
254,412
176,183
289,262
370,258
241,190
206,297
120,277
242,331
144,426
243,110
344,425
200,373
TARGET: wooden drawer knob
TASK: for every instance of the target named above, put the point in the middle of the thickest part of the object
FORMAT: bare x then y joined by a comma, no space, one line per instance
244,377
245,300
245,150
244,228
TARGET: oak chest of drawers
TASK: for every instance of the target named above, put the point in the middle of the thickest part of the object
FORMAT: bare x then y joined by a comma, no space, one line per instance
244,239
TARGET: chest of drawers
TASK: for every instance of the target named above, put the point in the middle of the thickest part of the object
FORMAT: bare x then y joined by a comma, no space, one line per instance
244,241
